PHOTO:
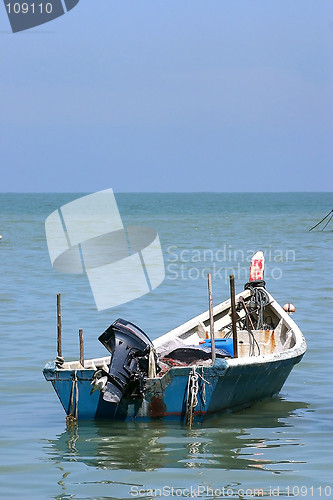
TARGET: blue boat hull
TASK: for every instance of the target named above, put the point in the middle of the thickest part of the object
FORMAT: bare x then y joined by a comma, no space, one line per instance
223,386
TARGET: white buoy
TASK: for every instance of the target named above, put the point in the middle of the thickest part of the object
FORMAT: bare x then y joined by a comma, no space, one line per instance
0,236
289,308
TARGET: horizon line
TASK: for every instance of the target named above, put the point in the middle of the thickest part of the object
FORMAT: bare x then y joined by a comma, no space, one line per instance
167,192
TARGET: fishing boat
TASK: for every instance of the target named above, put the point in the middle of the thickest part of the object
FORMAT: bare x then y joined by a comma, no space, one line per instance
225,359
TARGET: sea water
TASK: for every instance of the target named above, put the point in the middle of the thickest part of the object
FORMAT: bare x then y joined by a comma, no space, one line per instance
281,447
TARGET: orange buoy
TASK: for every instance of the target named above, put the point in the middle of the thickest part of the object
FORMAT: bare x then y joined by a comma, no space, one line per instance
289,308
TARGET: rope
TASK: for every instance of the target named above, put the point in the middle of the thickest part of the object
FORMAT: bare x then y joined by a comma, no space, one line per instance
259,300
74,392
59,361
204,382
254,342
76,396
72,399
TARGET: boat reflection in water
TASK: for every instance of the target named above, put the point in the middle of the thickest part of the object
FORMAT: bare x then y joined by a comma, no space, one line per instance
231,441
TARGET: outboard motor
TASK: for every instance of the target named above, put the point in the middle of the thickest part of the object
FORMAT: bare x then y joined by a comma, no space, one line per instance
130,348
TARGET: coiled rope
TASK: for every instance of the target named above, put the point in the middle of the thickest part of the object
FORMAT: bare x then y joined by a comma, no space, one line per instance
259,299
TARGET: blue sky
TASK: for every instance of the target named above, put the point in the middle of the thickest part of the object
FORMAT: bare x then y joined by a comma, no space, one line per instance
157,95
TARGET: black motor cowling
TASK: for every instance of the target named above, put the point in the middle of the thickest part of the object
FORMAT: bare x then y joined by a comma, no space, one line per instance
130,348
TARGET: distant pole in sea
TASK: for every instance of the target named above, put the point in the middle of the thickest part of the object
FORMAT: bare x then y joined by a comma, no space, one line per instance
329,213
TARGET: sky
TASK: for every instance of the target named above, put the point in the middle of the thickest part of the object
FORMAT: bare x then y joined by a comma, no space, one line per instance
169,96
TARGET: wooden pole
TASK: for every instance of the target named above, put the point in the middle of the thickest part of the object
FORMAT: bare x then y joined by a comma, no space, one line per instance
81,347
233,315
211,317
59,348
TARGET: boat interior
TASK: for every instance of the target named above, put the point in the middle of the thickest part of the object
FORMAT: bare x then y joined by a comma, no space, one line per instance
261,330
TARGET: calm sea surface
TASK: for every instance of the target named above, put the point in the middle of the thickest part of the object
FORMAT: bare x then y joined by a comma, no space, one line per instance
280,447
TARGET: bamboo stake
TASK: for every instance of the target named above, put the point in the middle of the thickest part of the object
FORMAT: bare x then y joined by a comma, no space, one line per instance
211,318
59,348
233,315
81,347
